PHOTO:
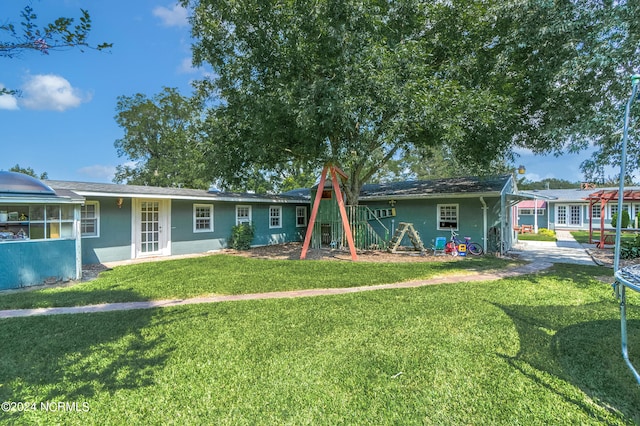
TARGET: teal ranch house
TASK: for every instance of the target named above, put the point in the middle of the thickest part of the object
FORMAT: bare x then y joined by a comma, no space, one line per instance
477,207
49,229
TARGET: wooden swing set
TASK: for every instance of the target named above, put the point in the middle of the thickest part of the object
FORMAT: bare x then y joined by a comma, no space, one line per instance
335,171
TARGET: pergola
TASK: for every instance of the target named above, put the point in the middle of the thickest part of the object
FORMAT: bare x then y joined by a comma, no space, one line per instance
603,197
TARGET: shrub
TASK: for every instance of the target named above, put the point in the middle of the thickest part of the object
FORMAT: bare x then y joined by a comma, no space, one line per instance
625,219
241,236
547,232
630,249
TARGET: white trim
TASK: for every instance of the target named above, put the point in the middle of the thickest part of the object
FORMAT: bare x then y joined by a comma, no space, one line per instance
439,217
202,206
164,229
210,198
97,219
303,216
249,218
279,217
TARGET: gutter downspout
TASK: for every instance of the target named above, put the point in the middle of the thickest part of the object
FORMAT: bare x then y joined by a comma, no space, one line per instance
484,224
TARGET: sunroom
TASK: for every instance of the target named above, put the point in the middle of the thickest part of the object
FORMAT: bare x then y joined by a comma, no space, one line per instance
39,233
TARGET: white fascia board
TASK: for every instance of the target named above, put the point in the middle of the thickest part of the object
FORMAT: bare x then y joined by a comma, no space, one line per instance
211,198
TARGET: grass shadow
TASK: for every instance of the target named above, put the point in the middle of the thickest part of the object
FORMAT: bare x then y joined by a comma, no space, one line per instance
76,357
566,343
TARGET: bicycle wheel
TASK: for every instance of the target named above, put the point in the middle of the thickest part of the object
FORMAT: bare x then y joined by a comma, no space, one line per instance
475,249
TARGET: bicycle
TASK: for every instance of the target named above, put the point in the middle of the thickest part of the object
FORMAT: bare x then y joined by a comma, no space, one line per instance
453,246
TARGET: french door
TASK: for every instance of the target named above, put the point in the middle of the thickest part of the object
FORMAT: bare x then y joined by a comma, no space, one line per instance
570,215
151,228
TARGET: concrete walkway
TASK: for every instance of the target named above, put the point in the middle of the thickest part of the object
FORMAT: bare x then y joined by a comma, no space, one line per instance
530,268
565,250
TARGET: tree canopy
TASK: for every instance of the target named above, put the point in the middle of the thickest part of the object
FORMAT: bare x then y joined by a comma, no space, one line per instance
161,140
359,83
29,171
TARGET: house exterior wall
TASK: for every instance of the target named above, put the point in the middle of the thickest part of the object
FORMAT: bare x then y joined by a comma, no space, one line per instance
28,263
423,213
113,242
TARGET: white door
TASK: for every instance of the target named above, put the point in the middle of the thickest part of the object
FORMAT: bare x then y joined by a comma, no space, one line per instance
151,228
561,217
575,215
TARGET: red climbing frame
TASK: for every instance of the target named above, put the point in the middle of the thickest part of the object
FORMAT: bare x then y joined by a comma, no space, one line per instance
335,171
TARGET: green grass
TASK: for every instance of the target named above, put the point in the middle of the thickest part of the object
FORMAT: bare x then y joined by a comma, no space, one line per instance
225,274
538,349
536,237
583,236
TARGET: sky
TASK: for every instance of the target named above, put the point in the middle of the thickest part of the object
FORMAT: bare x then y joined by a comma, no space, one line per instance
63,121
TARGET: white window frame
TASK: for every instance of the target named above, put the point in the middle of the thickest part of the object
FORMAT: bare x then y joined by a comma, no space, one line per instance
95,234
275,213
596,211
196,218
244,219
301,212
439,218
528,211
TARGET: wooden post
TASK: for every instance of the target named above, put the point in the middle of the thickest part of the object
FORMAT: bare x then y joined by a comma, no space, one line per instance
314,213
343,212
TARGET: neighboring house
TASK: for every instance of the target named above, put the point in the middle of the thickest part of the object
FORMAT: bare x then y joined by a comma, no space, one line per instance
476,207
567,209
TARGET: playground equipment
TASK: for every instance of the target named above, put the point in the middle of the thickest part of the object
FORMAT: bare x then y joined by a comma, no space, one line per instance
335,172
628,277
405,228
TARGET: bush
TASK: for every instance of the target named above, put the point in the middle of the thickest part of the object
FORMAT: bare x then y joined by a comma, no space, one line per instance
547,232
625,219
241,236
630,249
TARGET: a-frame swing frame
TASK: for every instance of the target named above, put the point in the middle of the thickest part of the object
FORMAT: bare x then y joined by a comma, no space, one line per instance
335,172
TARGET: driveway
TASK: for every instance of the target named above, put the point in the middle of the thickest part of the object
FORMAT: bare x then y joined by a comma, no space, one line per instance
565,250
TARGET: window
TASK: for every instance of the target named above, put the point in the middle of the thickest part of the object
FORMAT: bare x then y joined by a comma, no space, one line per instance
202,218
530,212
275,217
447,216
301,216
90,219
243,214
596,209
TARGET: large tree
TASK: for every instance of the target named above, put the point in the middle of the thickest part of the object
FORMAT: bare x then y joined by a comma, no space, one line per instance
161,141
359,83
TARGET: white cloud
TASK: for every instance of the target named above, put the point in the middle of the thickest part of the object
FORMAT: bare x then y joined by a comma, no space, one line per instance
99,171
186,67
175,17
50,92
8,101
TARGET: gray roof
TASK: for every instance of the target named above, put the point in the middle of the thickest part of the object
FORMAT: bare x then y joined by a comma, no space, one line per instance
460,186
140,191
463,186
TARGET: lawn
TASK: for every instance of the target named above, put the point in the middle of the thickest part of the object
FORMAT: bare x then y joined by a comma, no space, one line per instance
583,236
537,349
226,274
